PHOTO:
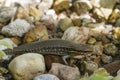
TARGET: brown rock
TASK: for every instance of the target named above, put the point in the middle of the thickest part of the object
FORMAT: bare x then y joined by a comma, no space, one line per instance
61,5
82,6
49,59
50,25
39,32
16,40
65,72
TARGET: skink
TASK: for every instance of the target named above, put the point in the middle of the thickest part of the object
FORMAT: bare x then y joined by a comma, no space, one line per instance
56,47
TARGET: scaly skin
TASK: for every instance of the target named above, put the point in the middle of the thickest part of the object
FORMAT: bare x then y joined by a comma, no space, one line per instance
55,47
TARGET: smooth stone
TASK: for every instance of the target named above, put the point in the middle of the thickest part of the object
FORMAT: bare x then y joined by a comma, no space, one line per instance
79,35
27,66
65,72
46,77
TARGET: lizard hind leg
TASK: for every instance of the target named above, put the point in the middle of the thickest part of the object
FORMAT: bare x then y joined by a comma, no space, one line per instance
65,58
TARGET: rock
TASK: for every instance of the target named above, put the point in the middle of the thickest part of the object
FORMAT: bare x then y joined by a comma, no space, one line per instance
98,48
45,5
106,59
91,66
65,23
7,43
46,77
50,16
49,59
79,35
82,6
27,66
118,75
35,13
116,33
16,28
103,10
101,28
16,40
101,74
112,67
24,4
61,5
108,3
50,25
10,41
39,32
86,19
65,72
21,13
92,40
76,19
6,13
1,77
117,24
110,49
114,17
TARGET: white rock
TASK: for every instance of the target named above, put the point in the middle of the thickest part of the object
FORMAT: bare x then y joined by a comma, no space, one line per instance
45,5
103,12
27,66
78,35
104,3
23,3
16,28
50,15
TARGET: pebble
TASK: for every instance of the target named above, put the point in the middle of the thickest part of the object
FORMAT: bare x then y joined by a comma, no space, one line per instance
46,77
61,5
6,13
110,49
106,58
82,6
65,72
65,23
79,35
16,28
27,66
37,33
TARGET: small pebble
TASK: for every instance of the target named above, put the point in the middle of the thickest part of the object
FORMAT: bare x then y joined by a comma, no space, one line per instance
46,77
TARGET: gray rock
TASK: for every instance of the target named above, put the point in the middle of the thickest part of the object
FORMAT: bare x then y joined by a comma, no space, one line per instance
16,28
27,66
46,77
65,72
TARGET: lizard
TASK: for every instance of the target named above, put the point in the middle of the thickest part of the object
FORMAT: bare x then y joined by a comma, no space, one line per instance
51,46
